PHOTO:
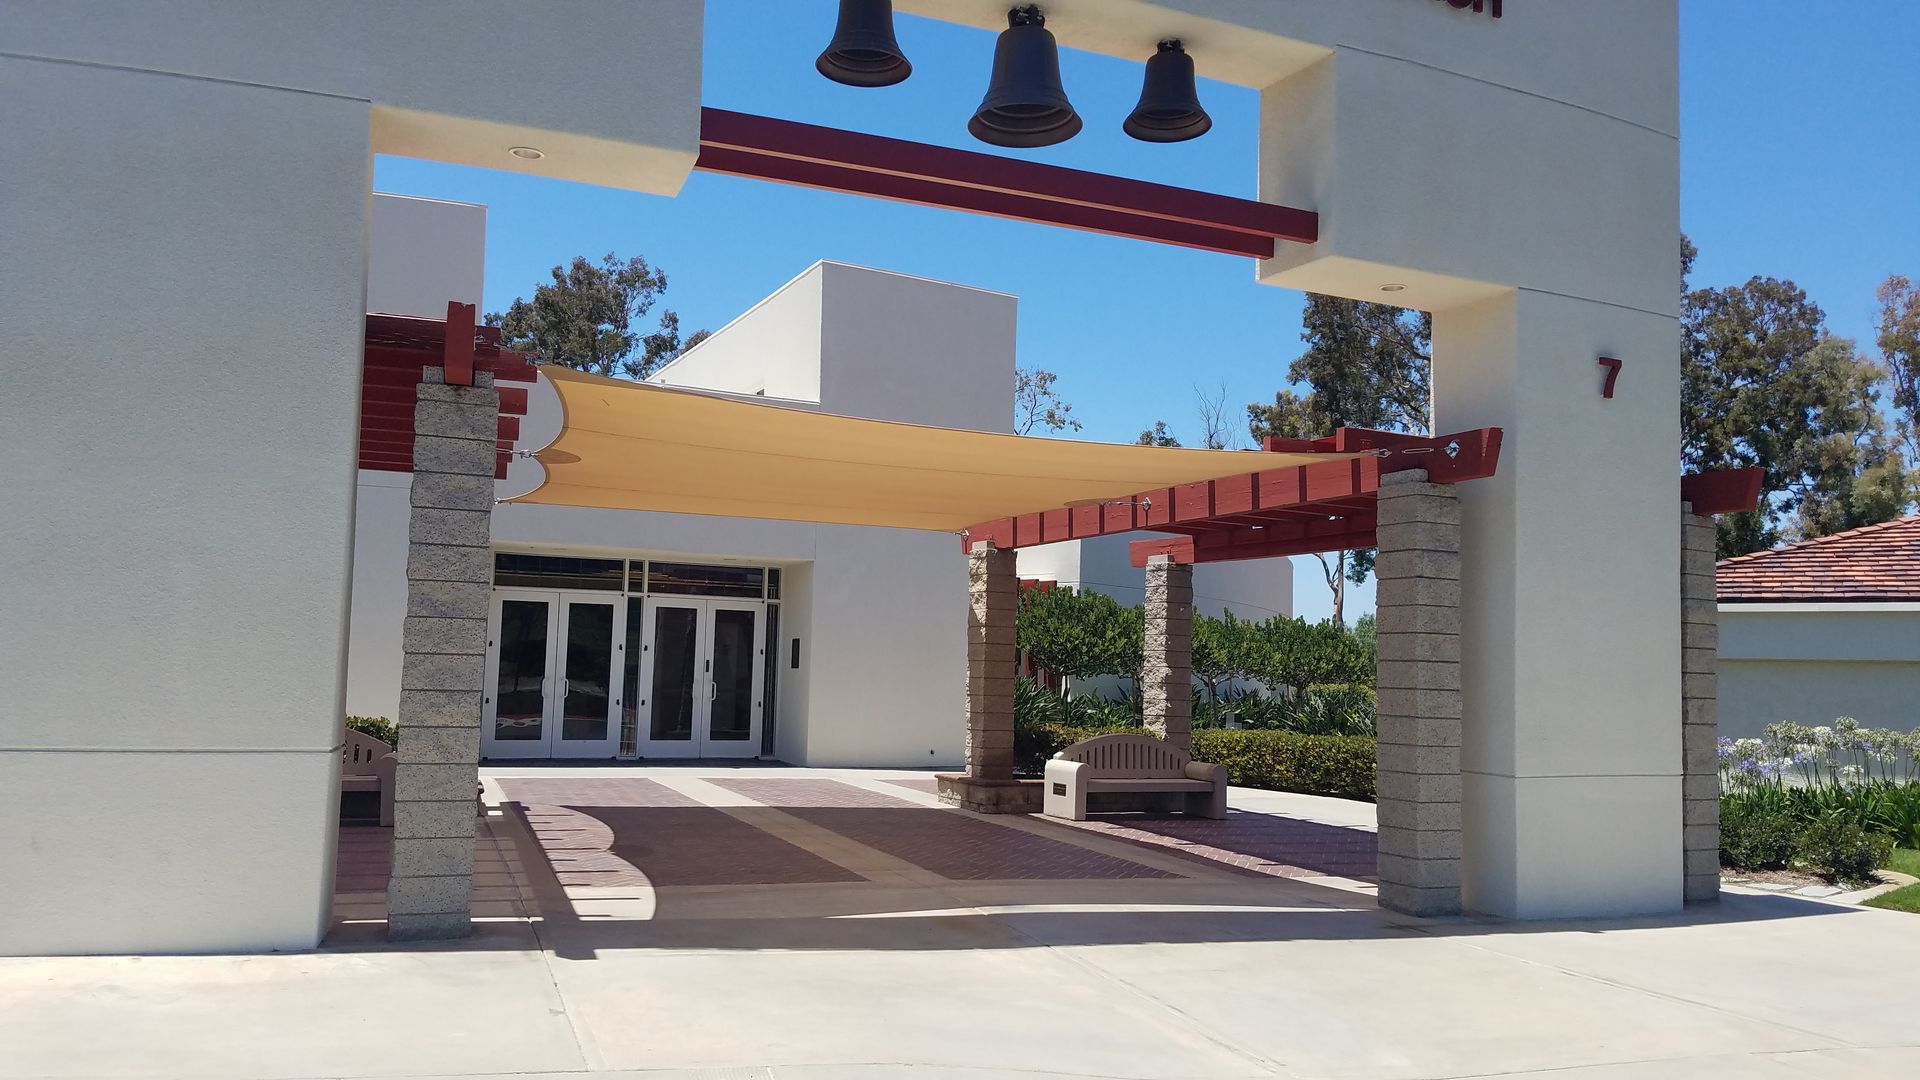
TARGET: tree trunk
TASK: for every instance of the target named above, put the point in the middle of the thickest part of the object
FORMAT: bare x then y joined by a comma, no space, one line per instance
1336,575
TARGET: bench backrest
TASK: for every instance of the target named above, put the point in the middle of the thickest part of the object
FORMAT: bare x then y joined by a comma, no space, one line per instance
361,751
1127,755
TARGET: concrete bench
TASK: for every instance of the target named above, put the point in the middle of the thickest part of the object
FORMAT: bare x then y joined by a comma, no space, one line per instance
1132,764
367,764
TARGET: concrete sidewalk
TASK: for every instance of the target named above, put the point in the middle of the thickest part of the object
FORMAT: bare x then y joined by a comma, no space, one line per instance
1211,975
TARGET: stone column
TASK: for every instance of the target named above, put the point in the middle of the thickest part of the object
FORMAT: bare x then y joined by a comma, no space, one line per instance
1699,705
449,569
993,595
1166,671
1417,599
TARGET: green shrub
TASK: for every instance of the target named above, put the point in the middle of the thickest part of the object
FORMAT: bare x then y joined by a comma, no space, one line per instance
1079,634
1336,709
377,726
1759,830
1034,743
1895,811
1839,848
1341,765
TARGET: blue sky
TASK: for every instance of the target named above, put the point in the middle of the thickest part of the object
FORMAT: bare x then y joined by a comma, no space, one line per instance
1800,159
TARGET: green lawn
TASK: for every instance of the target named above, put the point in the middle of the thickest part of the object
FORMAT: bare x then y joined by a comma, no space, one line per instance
1907,861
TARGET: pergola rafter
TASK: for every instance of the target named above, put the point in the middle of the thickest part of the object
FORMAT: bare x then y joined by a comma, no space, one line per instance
1263,514
399,348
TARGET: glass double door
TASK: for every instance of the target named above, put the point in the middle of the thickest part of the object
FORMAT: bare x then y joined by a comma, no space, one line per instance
551,676
699,679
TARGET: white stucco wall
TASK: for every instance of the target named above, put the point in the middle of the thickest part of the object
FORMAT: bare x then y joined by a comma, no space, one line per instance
424,253
770,350
1811,663
178,527
421,254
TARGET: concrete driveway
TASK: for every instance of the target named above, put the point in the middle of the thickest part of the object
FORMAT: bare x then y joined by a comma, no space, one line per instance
864,945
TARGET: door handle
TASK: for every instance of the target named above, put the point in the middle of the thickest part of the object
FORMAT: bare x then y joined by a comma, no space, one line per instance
713,690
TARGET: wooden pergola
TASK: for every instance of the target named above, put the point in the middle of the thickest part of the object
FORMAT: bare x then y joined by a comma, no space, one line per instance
1265,513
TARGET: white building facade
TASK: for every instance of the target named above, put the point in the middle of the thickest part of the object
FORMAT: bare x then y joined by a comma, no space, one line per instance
202,173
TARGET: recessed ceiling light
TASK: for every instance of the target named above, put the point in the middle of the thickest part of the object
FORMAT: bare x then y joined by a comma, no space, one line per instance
526,153
1393,287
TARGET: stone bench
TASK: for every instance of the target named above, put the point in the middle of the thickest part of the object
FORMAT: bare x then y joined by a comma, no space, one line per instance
1131,764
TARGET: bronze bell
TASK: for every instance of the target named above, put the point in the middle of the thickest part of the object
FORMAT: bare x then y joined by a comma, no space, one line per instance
1169,109
863,51
1025,104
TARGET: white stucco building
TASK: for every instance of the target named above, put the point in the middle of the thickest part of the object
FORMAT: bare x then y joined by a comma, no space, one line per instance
1823,629
201,172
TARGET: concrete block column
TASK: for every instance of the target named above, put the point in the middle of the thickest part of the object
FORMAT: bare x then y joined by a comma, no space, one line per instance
1699,705
1166,671
993,595
1418,610
449,569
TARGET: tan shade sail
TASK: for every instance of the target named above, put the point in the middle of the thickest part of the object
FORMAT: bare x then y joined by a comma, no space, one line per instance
633,446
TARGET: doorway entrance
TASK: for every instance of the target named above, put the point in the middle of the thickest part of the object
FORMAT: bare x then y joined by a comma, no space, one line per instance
550,687
598,658
701,672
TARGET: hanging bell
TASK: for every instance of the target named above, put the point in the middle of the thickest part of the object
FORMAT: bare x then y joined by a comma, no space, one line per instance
1169,109
1025,104
863,51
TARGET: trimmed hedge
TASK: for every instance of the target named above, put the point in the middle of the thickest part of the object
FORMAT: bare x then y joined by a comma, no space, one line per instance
1339,765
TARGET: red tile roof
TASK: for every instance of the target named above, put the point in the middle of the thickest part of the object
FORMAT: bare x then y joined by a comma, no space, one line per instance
1875,563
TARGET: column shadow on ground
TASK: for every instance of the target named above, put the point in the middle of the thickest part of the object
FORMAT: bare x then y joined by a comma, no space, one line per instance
846,913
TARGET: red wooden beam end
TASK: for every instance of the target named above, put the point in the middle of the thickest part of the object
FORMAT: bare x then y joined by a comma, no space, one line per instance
458,351
1448,459
740,144
1723,491
1178,548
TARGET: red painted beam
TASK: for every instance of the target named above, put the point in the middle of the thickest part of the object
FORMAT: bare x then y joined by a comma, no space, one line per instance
740,144
1448,459
1179,549
920,192
458,348
1723,491
1314,492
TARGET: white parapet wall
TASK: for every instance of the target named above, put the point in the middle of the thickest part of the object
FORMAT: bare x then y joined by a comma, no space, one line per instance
1811,663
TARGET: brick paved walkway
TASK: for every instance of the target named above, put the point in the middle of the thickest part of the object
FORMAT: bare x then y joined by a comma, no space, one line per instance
364,856
959,847
1247,843
640,832
637,832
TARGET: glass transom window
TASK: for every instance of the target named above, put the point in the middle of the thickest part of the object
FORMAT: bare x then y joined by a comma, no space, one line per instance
558,572
694,579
